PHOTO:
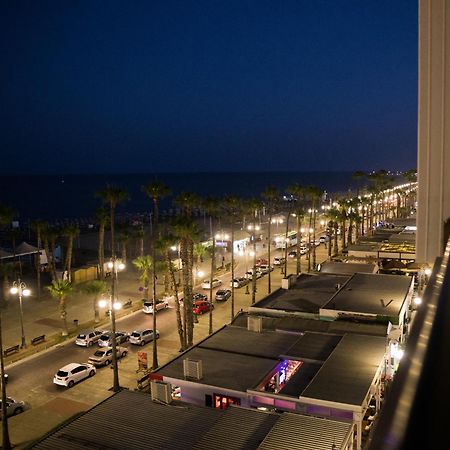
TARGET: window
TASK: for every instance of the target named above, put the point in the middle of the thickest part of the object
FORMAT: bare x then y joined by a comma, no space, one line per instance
223,401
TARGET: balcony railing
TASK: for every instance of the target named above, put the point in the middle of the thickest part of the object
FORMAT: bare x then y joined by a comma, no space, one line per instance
416,411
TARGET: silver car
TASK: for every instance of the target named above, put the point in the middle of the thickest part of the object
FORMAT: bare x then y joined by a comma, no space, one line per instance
88,338
142,337
13,406
105,339
103,356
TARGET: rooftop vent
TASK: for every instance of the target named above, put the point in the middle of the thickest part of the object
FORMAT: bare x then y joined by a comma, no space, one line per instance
192,369
254,323
161,391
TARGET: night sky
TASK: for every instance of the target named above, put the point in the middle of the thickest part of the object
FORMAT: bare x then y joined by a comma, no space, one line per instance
162,86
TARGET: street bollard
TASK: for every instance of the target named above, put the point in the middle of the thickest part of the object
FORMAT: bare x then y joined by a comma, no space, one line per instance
246,289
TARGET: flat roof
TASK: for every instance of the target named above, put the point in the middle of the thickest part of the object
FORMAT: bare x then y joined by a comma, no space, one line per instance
316,433
345,268
313,346
300,324
234,371
308,294
143,423
346,376
378,294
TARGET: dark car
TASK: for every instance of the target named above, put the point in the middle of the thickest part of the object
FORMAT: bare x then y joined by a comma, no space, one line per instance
201,306
222,295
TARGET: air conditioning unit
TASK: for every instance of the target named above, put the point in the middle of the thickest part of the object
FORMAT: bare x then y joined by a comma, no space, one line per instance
161,391
192,369
254,323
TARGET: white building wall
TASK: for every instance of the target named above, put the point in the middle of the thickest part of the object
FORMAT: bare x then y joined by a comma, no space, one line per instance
433,128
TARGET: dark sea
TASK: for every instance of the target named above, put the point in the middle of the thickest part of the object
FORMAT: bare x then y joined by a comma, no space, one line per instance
58,197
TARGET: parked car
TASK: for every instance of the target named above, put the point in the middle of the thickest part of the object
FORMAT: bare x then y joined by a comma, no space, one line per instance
278,260
88,337
249,274
198,296
239,282
265,268
105,339
324,239
13,407
215,282
222,295
160,304
292,254
201,306
73,373
261,261
103,356
142,337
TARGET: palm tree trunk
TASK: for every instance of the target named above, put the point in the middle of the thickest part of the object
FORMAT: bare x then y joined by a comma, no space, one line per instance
96,312
232,269
180,327
101,251
38,264
6,444
68,263
269,239
53,260
213,259
254,265
63,315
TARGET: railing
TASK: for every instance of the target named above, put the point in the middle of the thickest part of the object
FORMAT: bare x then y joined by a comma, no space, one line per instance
415,413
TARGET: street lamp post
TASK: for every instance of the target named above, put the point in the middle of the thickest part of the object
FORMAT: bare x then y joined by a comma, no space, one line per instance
115,265
20,288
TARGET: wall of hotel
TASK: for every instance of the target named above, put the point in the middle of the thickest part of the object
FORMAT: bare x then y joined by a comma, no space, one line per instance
433,128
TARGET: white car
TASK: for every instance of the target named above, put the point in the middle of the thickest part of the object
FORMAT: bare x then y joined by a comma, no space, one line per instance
265,268
160,304
278,260
215,282
249,274
73,373
142,337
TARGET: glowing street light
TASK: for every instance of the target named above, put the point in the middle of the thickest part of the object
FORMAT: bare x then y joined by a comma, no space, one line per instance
19,288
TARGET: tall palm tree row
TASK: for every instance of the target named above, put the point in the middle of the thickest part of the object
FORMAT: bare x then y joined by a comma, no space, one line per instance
144,265
299,193
37,226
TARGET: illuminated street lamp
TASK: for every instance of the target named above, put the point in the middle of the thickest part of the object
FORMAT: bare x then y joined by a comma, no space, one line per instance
19,288
114,265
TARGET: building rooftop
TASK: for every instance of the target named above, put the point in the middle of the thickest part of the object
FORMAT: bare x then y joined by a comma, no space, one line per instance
307,295
372,294
348,373
180,426
341,268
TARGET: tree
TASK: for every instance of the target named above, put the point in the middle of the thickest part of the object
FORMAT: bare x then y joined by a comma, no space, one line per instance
298,192
6,443
250,208
155,191
102,219
144,264
199,255
164,245
123,236
232,208
59,289
96,288
358,176
7,271
314,194
271,198
70,232
186,230
211,207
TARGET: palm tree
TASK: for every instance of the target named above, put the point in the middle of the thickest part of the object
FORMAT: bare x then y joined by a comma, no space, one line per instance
102,218
6,443
164,245
315,194
123,236
144,264
299,193
70,232
7,272
6,215
211,207
334,215
187,202
186,230
199,255
59,289
271,197
96,288
232,207
52,235
250,208
358,176
112,195
37,226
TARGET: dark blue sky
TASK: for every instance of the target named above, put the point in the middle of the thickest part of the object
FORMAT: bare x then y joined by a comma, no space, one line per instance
160,85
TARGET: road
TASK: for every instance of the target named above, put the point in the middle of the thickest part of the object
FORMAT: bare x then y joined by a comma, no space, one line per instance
31,380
